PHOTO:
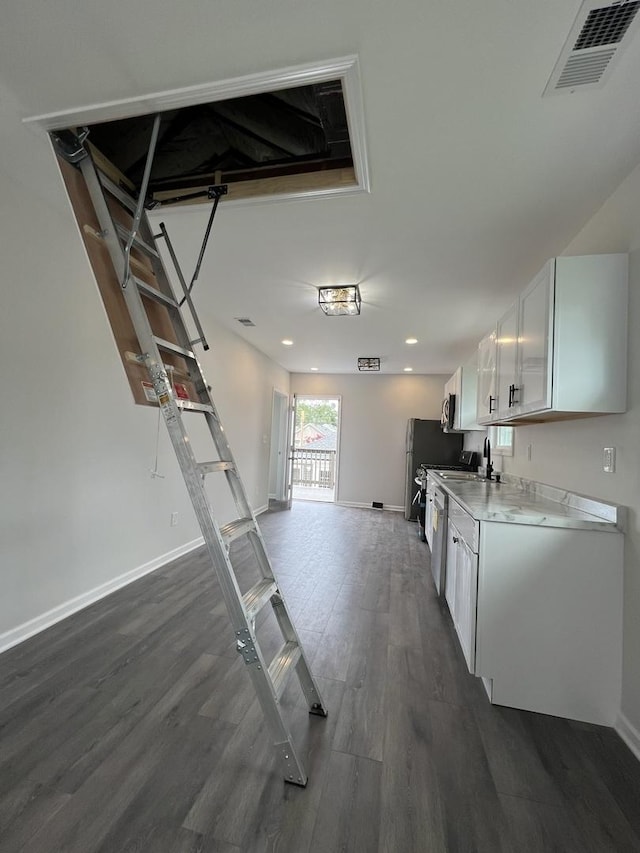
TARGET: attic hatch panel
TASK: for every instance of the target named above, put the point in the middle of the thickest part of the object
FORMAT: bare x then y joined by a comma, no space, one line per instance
290,140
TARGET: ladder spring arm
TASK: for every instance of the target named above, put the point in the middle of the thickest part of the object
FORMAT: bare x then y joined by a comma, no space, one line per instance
187,295
205,240
143,192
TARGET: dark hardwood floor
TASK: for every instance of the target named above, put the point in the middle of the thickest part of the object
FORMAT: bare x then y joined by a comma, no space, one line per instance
132,727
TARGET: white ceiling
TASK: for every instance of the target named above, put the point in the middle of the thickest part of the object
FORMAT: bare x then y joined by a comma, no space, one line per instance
475,178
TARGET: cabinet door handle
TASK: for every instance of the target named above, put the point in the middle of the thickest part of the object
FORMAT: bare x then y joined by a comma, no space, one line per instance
513,389
492,404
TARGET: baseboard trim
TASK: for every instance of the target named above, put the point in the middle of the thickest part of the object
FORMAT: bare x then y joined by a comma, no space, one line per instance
57,614
629,734
261,509
359,505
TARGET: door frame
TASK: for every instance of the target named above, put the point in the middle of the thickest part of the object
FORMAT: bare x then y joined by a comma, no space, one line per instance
279,450
299,397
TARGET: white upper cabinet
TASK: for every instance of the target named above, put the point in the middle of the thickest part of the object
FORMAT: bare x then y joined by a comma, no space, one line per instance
487,374
464,384
507,361
562,347
535,339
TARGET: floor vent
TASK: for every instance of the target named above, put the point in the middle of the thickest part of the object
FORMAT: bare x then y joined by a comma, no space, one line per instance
593,46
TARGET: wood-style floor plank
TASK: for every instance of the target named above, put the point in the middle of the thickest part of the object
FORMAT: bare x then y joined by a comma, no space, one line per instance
132,727
362,720
351,796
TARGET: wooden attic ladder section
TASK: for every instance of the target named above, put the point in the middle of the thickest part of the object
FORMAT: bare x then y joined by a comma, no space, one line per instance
146,317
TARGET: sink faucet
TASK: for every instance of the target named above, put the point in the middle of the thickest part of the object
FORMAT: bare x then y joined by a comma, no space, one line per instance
487,456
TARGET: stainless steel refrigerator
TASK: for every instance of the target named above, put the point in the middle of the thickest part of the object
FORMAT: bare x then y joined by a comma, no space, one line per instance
427,444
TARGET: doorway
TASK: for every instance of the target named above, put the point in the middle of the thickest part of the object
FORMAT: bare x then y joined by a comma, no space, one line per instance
315,446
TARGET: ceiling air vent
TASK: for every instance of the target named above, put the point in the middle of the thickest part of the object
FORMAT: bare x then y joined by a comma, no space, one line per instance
594,44
245,321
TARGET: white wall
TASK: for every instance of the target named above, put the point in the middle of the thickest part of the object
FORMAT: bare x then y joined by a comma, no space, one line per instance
79,506
374,415
569,454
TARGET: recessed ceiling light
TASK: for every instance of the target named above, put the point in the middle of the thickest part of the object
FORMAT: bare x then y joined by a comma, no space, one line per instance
287,342
313,368
411,341
408,369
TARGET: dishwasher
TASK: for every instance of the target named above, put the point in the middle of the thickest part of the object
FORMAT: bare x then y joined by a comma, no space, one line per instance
439,539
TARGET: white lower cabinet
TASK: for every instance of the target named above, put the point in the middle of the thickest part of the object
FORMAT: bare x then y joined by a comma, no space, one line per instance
466,598
461,579
538,612
450,572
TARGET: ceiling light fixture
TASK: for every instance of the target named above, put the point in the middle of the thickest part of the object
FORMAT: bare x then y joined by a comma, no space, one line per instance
369,363
313,368
340,300
411,341
408,370
287,343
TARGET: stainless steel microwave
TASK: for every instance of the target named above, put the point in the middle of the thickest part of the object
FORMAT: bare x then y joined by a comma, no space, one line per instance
448,413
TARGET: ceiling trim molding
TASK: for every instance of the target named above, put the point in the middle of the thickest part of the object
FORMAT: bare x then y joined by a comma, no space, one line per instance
345,68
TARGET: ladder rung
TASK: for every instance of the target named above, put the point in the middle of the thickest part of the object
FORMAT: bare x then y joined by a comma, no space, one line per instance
117,192
171,347
256,598
153,293
138,242
214,467
188,406
282,664
237,528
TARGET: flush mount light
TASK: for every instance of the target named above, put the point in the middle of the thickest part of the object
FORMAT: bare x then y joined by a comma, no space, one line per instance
313,368
287,343
408,370
369,363
340,300
411,341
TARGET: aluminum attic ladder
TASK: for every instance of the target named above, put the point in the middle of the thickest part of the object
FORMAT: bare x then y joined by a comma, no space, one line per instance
269,678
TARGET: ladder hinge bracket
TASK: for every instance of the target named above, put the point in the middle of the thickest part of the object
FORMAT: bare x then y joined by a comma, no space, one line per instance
246,646
292,770
217,190
70,145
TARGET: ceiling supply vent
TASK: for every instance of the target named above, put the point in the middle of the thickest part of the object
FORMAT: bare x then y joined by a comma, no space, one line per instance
593,46
245,321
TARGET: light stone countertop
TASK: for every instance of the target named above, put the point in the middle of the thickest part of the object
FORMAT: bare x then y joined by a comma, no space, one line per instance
518,501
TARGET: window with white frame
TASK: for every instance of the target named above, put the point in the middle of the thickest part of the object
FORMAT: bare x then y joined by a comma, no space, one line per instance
501,438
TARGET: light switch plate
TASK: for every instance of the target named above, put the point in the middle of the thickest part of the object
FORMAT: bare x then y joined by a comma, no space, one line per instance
609,460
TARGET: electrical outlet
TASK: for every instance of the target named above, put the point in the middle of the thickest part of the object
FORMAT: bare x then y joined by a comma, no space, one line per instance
609,460
174,519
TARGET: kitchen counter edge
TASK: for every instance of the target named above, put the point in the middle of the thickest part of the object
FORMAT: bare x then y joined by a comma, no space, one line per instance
518,501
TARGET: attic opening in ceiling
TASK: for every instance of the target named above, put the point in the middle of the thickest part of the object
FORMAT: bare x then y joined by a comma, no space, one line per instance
292,140
295,132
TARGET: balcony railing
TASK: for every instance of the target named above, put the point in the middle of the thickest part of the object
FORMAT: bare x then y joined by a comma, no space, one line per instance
314,468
